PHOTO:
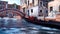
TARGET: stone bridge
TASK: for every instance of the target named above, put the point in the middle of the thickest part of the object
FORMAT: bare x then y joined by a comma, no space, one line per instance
11,13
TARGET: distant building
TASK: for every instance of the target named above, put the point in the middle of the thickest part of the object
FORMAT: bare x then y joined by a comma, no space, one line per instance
53,7
45,2
43,11
14,6
34,8
33,11
3,4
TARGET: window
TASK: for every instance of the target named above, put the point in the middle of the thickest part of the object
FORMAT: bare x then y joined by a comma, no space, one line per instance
28,12
45,4
10,6
0,7
46,11
33,2
17,7
40,3
51,8
59,8
6,12
41,11
31,10
28,2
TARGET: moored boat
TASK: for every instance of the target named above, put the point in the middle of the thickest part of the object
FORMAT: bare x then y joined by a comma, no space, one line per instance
50,23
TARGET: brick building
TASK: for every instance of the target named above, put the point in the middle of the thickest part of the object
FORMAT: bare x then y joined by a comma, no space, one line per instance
3,4
14,6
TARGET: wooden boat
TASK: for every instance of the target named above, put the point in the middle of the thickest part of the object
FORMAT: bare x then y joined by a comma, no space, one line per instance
50,23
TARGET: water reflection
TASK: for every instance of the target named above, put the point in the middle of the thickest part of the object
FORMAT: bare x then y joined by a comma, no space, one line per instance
24,27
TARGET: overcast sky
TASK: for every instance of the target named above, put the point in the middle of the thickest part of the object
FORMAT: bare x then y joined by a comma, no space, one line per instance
13,1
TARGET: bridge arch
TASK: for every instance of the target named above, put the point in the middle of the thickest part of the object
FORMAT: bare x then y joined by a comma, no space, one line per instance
13,12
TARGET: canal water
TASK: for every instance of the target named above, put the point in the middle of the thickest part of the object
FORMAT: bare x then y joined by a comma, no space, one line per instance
14,26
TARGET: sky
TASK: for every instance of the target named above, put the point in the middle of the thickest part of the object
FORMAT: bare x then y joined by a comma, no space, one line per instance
13,1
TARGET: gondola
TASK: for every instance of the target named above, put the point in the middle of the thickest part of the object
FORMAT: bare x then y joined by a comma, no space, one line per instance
50,23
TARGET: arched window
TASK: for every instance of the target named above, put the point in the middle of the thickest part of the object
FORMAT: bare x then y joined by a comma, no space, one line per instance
51,9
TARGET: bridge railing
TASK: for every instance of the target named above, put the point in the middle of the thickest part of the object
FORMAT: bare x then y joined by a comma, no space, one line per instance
16,11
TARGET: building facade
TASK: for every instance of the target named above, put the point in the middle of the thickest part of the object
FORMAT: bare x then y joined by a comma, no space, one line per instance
14,6
28,5
42,9
34,8
45,2
53,8
3,4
